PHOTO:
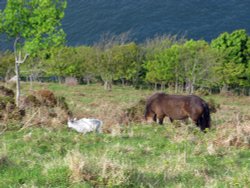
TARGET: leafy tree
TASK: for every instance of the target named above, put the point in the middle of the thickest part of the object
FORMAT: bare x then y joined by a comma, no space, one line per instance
125,58
34,25
160,58
197,60
86,63
62,62
161,68
107,62
189,63
235,52
247,83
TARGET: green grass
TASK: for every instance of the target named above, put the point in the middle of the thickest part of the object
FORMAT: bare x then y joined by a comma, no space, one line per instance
141,155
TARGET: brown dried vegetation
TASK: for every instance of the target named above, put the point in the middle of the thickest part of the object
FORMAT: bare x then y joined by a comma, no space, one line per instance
42,108
235,134
8,108
46,97
135,112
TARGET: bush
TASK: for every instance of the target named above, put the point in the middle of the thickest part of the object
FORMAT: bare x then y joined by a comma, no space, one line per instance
134,113
46,97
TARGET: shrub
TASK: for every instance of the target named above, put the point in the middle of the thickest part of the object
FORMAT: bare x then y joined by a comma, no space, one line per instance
46,97
31,101
134,113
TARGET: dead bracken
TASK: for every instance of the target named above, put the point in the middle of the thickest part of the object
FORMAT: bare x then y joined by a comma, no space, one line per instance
41,108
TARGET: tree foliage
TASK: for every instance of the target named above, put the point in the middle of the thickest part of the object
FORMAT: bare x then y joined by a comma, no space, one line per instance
185,65
34,25
234,48
36,22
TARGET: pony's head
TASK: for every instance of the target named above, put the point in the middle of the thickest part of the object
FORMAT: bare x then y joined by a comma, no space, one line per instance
149,116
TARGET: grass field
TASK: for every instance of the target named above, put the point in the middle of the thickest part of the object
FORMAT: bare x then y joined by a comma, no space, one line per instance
134,155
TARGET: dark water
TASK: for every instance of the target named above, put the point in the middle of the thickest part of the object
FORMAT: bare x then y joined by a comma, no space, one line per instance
86,20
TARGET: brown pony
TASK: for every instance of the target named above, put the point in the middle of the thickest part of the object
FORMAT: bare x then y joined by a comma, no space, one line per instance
178,107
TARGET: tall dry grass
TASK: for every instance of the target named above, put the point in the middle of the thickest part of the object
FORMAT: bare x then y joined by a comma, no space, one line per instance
97,170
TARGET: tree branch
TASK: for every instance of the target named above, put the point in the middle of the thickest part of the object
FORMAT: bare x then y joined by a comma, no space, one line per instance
25,57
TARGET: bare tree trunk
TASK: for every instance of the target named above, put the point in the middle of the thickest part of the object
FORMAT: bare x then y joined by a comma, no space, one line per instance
192,88
192,84
176,86
181,88
88,81
192,80
31,82
162,86
59,79
123,82
18,61
187,86
108,85
105,85
155,86
7,75
17,83
224,89
176,81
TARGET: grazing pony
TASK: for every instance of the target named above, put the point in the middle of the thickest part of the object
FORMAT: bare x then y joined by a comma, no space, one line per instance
178,107
85,125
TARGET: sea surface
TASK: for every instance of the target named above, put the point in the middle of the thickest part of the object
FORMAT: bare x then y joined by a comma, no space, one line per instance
86,21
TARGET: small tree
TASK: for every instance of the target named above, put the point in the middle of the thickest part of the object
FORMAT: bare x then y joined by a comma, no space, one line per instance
34,25
234,48
161,69
160,59
125,58
86,63
107,64
197,59
63,61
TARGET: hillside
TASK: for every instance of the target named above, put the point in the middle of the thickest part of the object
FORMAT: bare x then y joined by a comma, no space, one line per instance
133,155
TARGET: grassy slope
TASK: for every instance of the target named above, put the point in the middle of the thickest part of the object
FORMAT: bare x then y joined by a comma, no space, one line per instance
141,155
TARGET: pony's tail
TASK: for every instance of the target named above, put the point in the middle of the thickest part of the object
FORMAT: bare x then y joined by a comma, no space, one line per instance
205,120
